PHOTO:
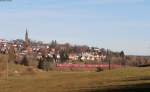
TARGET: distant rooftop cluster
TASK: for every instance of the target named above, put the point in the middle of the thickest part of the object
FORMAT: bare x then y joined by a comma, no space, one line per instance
54,50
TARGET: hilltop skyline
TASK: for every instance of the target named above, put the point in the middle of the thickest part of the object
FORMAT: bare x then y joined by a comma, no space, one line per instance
114,24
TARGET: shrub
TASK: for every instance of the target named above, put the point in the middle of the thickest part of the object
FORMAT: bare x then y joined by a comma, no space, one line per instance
25,61
98,69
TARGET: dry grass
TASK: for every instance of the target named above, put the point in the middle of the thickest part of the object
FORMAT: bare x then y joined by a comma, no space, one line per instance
3,60
30,81
75,81
14,69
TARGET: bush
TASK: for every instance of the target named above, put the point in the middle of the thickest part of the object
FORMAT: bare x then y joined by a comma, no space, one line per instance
99,69
45,63
25,61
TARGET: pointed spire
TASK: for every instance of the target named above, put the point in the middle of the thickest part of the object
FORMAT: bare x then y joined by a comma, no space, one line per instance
26,39
26,32
26,35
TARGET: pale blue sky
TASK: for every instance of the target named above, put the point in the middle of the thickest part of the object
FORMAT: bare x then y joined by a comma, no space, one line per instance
114,24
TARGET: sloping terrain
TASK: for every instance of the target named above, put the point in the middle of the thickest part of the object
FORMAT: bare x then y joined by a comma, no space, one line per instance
120,79
28,79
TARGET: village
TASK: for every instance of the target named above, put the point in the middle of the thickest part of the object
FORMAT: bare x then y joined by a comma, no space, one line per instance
43,55
38,49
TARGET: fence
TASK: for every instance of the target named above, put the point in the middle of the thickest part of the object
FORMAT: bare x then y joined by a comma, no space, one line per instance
86,65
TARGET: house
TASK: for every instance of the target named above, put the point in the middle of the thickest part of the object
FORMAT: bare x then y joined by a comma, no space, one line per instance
73,57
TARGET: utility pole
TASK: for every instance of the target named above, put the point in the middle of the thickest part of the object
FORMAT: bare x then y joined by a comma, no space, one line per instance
108,58
9,50
7,68
109,65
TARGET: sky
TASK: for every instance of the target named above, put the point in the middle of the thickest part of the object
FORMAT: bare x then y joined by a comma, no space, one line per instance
111,24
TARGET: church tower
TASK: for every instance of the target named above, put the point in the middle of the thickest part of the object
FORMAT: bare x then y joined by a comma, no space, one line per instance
26,43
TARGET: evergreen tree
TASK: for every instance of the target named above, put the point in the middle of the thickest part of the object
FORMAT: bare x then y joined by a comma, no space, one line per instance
41,64
63,56
25,61
45,63
123,62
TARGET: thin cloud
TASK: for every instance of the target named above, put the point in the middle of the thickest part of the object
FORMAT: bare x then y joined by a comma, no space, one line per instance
112,1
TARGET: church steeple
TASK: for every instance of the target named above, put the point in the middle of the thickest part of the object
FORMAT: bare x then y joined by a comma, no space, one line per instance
26,39
26,35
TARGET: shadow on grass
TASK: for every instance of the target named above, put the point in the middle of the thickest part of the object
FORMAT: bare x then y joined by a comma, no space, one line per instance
125,88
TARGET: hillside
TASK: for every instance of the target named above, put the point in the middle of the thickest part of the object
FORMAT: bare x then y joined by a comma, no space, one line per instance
118,79
29,79
12,69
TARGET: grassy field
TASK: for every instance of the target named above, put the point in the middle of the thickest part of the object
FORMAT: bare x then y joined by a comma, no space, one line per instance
28,79
117,80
